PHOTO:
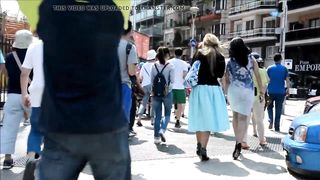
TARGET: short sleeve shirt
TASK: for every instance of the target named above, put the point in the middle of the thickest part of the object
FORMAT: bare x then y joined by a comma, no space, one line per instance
145,73
14,71
34,61
277,74
82,92
179,68
264,80
126,59
240,76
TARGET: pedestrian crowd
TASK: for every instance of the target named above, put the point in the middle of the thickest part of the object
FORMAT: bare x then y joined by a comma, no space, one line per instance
84,85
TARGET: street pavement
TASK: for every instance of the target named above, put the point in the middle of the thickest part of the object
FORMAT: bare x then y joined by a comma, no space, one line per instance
176,159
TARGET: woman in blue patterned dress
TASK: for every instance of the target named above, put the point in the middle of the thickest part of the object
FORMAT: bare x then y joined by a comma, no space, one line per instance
239,87
207,105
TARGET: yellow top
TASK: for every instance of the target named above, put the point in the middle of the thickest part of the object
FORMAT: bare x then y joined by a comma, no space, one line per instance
264,81
30,10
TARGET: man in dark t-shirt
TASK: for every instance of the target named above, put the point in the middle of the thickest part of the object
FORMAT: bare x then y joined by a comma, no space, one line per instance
82,117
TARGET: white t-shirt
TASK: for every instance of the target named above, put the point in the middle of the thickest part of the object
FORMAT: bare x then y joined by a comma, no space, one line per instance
34,60
179,67
145,73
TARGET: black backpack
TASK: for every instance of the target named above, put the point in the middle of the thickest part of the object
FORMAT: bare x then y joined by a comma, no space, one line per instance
160,86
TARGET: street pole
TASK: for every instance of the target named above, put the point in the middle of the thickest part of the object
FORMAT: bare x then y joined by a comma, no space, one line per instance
283,38
283,28
134,15
194,11
192,35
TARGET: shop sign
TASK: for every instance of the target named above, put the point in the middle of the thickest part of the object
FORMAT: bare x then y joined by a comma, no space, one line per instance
306,66
288,63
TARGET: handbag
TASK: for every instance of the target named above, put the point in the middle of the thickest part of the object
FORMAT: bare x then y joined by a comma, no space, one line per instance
191,78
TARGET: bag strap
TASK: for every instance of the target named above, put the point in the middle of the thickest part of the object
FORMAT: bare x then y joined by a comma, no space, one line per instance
146,71
17,59
156,67
128,49
164,67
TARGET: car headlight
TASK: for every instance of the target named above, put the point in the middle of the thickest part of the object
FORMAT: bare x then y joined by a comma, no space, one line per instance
300,134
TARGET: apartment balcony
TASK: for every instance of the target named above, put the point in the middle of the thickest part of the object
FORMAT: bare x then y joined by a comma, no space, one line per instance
205,17
155,31
149,14
297,4
306,36
255,35
253,8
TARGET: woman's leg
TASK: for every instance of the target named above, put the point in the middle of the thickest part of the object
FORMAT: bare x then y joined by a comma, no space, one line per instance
204,138
157,106
167,102
235,125
242,127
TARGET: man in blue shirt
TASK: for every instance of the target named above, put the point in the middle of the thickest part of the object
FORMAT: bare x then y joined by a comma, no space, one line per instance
277,91
82,118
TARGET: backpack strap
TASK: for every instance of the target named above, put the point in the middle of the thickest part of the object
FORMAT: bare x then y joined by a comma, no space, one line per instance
164,67
128,49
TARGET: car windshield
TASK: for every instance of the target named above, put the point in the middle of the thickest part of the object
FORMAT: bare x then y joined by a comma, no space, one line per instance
315,108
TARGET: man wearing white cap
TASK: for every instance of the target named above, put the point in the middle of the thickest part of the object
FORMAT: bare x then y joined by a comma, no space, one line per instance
145,73
13,108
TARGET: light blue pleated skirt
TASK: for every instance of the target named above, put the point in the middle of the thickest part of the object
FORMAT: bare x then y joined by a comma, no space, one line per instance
207,109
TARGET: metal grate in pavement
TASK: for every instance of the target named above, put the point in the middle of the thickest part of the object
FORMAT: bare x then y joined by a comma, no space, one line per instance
274,145
20,161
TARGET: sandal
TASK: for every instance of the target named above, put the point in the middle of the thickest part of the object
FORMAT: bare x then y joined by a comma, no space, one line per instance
245,146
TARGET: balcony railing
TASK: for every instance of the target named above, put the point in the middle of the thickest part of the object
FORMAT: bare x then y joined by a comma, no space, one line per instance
152,31
253,5
149,14
299,4
301,34
259,32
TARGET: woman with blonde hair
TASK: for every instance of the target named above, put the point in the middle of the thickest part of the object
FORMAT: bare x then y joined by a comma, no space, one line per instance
208,109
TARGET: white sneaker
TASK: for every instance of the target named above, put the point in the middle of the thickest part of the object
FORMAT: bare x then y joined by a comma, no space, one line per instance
157,140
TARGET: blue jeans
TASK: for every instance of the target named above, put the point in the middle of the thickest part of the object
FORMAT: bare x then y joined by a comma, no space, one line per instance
35,136
126,100
278,99
65,155
157,107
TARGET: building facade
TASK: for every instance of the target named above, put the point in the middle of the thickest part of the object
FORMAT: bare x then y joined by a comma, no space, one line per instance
148,18
252,21
303,44
177,24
